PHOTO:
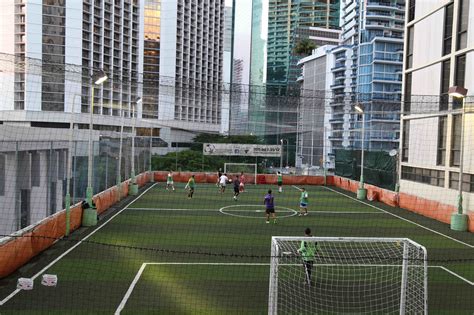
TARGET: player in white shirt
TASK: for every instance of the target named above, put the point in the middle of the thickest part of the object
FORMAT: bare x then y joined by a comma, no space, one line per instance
223,182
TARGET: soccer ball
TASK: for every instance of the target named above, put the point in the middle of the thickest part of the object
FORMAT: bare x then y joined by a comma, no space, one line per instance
230,180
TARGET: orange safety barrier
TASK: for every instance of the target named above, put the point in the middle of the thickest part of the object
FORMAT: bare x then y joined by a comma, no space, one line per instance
160,176
15,253
211,178
315,180
20,250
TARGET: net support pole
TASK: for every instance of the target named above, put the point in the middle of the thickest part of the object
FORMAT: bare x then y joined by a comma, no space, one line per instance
119,161
152,179
133,180
89,216
403,291
273,286
459,219
69,170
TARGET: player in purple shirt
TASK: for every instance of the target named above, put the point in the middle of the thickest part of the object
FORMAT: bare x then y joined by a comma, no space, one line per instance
269,203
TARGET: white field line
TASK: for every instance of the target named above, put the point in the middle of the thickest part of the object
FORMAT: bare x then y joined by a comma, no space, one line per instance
130,289
217,210
144,265
399,217
15,292
171,209
456,275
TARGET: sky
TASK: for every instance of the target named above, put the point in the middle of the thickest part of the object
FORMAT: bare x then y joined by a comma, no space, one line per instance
243,22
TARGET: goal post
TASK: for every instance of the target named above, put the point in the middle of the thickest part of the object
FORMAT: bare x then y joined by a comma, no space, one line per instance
348,275
249,170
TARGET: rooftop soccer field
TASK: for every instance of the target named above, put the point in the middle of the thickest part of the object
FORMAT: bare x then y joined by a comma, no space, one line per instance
163,253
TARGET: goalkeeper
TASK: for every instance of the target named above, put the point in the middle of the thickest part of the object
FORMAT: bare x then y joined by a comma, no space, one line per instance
307,251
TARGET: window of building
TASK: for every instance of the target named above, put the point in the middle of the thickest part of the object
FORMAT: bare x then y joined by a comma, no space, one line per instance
444,97
423,175
35,169
442,133
406,140
448,29
467,181
456,140
411,10
409,59
463,20
2,175
459,78
407,96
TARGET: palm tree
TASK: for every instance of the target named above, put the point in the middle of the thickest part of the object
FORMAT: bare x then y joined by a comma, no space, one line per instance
304,47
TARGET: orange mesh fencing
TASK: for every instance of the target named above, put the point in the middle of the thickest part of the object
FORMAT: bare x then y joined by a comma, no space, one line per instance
15,253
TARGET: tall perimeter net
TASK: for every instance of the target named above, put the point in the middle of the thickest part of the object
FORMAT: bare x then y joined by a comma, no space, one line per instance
347,276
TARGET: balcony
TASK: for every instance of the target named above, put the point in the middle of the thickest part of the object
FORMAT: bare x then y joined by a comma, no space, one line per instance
338,65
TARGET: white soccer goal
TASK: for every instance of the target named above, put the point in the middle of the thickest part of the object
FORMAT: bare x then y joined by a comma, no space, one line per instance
250,171
349,275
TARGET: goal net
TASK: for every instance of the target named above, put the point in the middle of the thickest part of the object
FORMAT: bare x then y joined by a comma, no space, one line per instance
324,275
249,170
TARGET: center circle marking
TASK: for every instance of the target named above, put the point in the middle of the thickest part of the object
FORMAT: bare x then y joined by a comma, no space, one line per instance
224,210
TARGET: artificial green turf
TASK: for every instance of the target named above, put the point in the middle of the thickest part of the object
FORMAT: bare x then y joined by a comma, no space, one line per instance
94,277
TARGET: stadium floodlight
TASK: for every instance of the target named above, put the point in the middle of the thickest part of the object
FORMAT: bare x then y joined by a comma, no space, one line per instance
100,77
89,217
133,189
361,191
348,275
459,220
457,91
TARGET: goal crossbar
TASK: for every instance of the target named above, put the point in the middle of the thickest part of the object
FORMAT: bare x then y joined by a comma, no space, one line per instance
384,275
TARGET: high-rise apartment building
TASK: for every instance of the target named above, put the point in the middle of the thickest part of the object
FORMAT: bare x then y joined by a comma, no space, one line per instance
278,26
367,71
57,46
289,22
313,129
191,64
433,147
168,51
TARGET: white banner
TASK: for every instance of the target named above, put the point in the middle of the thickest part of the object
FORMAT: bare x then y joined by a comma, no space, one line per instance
238,149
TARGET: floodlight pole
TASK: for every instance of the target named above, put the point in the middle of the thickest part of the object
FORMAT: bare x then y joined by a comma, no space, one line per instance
459,220
152,179
89,217
69,169
133,179
361,191
119,164
281,154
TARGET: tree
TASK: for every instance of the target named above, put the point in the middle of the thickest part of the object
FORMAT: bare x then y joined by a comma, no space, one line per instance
304,47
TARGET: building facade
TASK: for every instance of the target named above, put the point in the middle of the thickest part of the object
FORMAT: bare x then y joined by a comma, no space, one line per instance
370,74
433,145
313,146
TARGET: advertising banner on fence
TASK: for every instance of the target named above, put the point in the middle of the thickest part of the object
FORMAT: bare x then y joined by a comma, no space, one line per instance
239,149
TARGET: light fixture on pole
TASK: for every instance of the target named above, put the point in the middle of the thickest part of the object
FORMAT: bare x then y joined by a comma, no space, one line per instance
133,189
459,219
361,191
89,217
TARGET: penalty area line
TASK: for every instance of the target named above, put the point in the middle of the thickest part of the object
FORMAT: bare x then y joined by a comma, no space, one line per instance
16,291
401,218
